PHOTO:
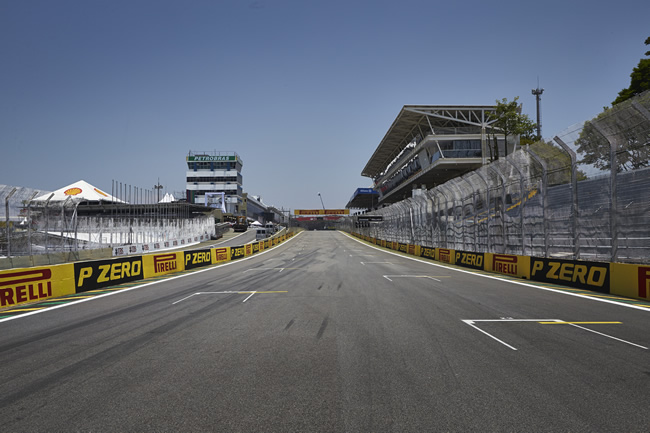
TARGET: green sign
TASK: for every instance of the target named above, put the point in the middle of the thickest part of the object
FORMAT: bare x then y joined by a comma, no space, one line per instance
212,158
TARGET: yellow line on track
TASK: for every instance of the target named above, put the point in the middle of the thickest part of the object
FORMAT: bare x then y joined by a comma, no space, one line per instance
580,323
23,309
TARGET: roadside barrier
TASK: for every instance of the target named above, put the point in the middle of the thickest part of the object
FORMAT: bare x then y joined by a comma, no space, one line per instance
24,285
621,279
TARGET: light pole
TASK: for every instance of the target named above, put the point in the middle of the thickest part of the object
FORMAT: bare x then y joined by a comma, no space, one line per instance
538,93
321,200
158,186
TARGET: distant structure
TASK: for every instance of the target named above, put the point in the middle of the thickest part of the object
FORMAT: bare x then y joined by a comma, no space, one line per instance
215,172
538,93
426,146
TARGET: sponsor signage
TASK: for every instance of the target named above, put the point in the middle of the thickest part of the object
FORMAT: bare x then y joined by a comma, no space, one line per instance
164,263
237,252
221,254
256,247
249,249
429,253
470,259
25,285
321,212
160,264
508,264
630,280
103,273
197,258
643,274
445,255
201,158
584,275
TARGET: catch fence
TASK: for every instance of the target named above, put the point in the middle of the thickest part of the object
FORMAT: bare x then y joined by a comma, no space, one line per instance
61,231
538,201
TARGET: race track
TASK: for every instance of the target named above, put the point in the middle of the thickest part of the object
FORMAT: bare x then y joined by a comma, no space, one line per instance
325,333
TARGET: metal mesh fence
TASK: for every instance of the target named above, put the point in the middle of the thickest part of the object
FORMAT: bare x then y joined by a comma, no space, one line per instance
539,202
51,232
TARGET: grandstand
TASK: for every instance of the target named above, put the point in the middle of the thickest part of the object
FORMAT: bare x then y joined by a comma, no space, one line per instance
429,144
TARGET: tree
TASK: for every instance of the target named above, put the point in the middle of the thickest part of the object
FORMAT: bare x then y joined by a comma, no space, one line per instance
509,121
625,124
639,79
558,162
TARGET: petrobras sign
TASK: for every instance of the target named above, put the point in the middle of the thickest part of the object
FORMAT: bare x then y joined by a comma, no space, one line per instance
207,158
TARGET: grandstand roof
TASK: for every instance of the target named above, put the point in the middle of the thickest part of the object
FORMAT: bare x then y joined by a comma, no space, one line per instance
422,119
363,198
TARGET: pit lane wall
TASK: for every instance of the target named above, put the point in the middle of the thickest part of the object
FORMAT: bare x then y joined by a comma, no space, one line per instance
631,281
24,285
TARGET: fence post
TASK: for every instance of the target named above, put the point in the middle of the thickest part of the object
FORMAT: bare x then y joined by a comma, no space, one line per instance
542,163
13,191
522,201
439,189
453,186
503,205
574,197
471,187
487,190
613,202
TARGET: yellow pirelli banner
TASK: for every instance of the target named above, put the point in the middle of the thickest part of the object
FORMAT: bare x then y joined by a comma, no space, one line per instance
161,264
632,281
413,250
508,264
221,255
22,285
446,255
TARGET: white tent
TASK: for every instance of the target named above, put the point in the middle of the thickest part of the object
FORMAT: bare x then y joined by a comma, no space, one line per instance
168,198
79,191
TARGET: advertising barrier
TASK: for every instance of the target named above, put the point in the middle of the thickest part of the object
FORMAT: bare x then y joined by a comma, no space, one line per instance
22,285
470,260
584,275
198,258
103,273
507,264
25,285
237,252
161,264
631,281
428,253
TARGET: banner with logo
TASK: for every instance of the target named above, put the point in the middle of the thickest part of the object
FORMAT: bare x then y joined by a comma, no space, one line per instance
103,273
584,275
161,264
22,285
197,258
632,281
513,265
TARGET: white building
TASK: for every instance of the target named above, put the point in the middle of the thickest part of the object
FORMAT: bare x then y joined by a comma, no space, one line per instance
216,172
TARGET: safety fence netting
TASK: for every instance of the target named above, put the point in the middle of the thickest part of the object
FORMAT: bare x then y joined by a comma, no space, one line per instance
584,195
36,227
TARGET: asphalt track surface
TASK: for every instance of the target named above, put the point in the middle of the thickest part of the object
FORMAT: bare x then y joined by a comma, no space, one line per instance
337,336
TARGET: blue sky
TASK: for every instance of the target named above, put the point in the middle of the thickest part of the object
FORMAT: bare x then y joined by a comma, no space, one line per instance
302,90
